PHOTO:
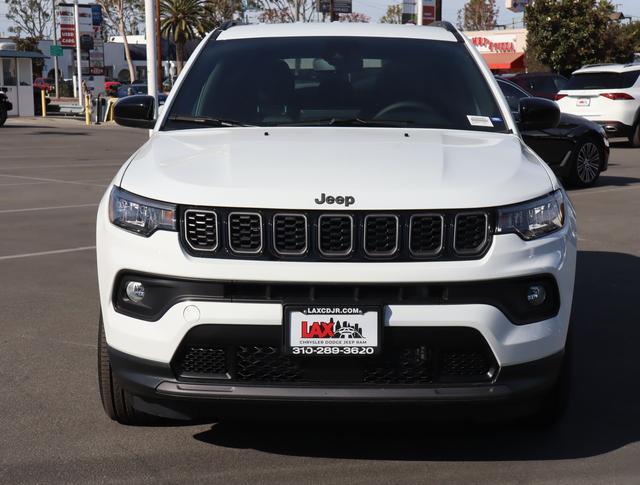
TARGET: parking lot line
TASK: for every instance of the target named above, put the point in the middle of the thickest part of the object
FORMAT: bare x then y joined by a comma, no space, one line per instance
51,180
30,209
66,165
602,191
46,253
13,184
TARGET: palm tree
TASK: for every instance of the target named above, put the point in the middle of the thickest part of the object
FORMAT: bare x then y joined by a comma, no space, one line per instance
181,20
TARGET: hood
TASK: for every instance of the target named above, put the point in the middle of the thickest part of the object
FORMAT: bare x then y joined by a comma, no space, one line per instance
381,168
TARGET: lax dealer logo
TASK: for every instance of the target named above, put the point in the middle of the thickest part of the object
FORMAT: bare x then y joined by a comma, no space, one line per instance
333,330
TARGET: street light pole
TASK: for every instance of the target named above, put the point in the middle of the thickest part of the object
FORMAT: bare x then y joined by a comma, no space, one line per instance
76,19
150,29
55,42
419,12
159,45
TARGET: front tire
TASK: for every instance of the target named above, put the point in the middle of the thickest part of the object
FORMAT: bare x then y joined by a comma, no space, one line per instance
553,404
3,114
634,139
117,402
587,163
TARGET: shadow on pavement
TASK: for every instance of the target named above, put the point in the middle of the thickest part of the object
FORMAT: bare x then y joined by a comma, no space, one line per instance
603,414
616,181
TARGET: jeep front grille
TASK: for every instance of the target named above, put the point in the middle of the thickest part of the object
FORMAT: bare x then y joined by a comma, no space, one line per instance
426,234
245,232
470,232
380,234
201,229
290,234
336,236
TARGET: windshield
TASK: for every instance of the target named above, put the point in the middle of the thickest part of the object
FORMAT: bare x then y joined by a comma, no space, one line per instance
603,80
338,81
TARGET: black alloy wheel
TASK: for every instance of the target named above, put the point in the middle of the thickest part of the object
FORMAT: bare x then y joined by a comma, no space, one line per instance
587,163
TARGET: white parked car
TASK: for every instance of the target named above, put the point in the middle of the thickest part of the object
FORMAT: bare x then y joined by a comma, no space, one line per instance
337,213
608,94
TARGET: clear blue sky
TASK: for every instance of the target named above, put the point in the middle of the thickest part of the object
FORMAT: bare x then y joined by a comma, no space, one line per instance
376,9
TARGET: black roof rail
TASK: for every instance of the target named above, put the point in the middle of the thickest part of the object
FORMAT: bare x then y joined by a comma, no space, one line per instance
448,26
227,24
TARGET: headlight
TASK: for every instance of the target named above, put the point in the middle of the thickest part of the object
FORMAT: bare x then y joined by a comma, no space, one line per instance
140,215
533,219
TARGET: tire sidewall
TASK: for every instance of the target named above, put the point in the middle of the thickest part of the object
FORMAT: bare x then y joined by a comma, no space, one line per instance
634,139
3,115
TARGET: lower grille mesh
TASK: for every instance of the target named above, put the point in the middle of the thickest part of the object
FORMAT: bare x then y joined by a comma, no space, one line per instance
414,365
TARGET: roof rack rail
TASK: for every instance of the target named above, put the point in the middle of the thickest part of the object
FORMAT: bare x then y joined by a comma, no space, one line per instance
600,64
443,24
227,24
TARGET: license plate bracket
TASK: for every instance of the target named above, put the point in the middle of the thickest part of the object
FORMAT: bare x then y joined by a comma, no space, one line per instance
332,330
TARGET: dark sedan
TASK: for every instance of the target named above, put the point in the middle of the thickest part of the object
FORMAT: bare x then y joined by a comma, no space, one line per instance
577,150
125,90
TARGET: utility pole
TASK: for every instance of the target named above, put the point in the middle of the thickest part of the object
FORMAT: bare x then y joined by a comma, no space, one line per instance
159,45
419,12
55,42
333,16
150,29
76,19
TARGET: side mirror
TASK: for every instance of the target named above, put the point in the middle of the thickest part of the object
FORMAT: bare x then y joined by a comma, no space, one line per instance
135,111
538,114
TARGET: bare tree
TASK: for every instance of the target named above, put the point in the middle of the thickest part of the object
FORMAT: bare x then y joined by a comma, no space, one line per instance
355,17
217,11
287,10
478,15
393,15
30,18
122,14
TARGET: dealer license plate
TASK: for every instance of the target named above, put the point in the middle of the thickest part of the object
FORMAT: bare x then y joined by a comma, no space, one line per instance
332,330
583,102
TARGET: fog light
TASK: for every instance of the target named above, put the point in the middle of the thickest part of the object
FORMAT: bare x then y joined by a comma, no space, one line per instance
135,291
536,295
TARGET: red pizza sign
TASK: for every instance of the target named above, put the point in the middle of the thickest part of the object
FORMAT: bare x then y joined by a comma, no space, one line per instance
493,46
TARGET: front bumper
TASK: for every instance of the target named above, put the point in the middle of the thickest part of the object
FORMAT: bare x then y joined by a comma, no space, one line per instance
616,129
514,391
143,349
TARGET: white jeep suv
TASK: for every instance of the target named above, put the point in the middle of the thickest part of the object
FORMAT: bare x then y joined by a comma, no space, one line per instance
608,94
334,214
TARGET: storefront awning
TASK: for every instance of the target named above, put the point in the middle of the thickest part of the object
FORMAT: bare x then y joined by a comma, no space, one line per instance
504,60
22,54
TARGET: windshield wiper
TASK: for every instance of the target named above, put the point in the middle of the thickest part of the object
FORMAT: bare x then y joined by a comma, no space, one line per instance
207,121
348,122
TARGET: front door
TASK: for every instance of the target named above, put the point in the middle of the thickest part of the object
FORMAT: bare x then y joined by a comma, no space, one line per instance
9,80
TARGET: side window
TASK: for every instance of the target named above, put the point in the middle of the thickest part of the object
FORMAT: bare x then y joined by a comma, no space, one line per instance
513,96
560,83
545,85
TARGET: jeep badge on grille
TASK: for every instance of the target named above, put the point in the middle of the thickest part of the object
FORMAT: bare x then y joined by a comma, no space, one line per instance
345,200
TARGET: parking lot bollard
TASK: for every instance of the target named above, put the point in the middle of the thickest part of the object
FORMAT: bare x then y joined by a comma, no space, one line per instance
43,100
87,109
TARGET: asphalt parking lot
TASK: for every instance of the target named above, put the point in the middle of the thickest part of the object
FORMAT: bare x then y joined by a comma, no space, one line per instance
53,429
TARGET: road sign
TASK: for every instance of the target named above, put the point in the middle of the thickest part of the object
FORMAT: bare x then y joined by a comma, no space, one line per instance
339,6
55,50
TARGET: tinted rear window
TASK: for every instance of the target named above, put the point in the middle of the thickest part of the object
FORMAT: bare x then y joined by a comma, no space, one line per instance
603,80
